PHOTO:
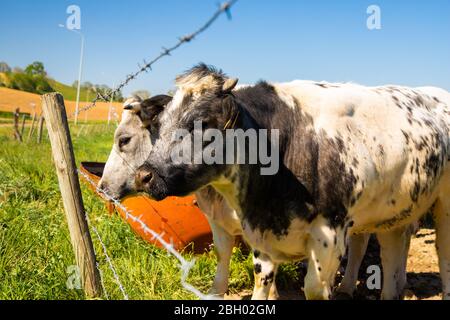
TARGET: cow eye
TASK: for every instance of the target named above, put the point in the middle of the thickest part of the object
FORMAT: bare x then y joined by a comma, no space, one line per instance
124,141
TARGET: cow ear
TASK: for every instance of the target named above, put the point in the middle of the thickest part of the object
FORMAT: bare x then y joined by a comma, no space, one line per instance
229,85
151,108
133,104
134,107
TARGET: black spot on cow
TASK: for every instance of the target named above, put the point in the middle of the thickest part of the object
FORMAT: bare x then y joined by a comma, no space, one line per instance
410,110
359,195
393,202
415,191
256,254
407,137
428,123
319,269
401,216
335,240
269,278
381,150
326,85
258,268
325,244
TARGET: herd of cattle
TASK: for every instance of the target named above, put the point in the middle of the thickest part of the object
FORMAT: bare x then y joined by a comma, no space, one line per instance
354,161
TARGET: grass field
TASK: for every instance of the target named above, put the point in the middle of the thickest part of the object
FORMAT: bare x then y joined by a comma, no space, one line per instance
35,249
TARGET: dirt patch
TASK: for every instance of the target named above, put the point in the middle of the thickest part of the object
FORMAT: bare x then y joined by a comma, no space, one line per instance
11,99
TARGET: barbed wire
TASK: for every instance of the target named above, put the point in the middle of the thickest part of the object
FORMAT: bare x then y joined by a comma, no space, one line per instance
108,259
102,281
223,8
185,265
105,253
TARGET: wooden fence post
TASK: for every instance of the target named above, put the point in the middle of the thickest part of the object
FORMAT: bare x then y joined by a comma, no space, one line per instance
40,127
58,130
17,134
32,126
22,130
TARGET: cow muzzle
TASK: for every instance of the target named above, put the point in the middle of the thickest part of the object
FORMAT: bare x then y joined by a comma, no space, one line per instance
143,179
148,181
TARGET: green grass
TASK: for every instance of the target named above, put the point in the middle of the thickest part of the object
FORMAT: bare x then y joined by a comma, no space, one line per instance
10,115
35,249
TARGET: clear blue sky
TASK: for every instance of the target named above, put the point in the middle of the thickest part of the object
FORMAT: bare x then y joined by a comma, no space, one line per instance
267,39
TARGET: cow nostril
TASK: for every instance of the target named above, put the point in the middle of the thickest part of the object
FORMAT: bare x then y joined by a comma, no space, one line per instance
147,178
103,186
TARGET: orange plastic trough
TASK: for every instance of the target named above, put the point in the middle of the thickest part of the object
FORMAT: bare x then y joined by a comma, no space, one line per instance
179,219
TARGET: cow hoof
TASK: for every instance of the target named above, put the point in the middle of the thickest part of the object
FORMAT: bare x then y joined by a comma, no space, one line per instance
342,296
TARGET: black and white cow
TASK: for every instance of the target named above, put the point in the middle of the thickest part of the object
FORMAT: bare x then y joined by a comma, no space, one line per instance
354,160
134,139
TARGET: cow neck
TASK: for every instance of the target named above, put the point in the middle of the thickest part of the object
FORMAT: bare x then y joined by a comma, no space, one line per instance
265,202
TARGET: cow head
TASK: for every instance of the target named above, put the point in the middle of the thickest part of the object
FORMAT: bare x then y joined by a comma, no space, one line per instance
133,141
203,101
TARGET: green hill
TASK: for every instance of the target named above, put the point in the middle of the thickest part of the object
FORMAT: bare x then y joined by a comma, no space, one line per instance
70,93
40,85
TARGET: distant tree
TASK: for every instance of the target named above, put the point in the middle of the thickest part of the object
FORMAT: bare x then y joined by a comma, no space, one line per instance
41,85
86,85
18,70
36,68
29,83
143,94
4,67
22,82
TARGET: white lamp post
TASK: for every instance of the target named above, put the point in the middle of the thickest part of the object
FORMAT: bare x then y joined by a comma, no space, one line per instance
80,72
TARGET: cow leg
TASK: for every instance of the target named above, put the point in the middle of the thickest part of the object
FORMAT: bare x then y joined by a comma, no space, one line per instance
325,247
394,246
357,247
402,279
273,293
265,271
223,244
442,217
